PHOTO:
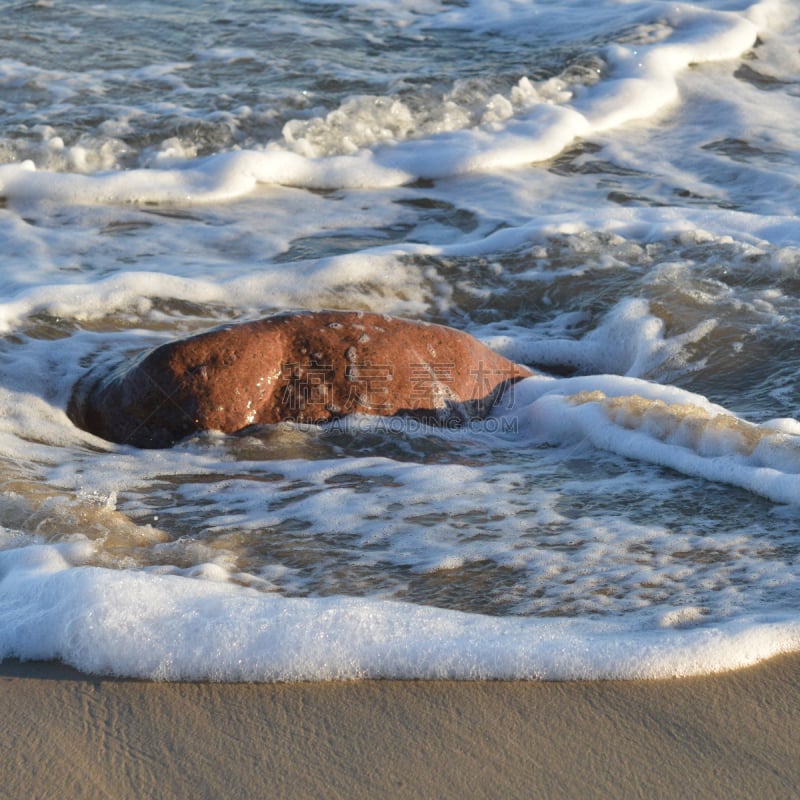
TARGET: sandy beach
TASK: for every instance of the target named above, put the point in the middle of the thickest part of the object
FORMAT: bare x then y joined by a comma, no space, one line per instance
68,735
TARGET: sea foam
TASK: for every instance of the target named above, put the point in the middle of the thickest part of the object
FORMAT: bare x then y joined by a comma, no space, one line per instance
605,525
640,82
171,628
665,426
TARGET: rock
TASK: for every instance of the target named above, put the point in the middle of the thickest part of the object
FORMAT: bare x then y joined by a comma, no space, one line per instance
310,367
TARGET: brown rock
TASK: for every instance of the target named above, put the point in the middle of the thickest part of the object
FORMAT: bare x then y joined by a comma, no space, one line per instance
306,367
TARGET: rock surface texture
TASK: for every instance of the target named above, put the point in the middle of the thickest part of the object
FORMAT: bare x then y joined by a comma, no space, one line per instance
310,367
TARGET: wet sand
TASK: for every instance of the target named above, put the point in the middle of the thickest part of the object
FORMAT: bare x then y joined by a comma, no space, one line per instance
68,735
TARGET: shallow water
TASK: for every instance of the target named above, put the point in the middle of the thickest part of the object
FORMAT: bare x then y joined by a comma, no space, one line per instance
605,195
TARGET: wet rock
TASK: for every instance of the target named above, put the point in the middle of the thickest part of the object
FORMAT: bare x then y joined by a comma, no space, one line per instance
310,367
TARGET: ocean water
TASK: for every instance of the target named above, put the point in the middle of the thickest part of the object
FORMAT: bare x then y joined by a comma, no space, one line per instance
605,192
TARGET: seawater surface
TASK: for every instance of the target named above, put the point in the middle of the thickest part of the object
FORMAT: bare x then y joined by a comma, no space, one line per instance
606,194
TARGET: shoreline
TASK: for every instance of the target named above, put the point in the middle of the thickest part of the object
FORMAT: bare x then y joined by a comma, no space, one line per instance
70,735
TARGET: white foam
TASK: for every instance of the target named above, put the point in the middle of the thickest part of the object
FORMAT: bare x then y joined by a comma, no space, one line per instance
171,628
340,281
665,426
630,340
390,148
215,178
